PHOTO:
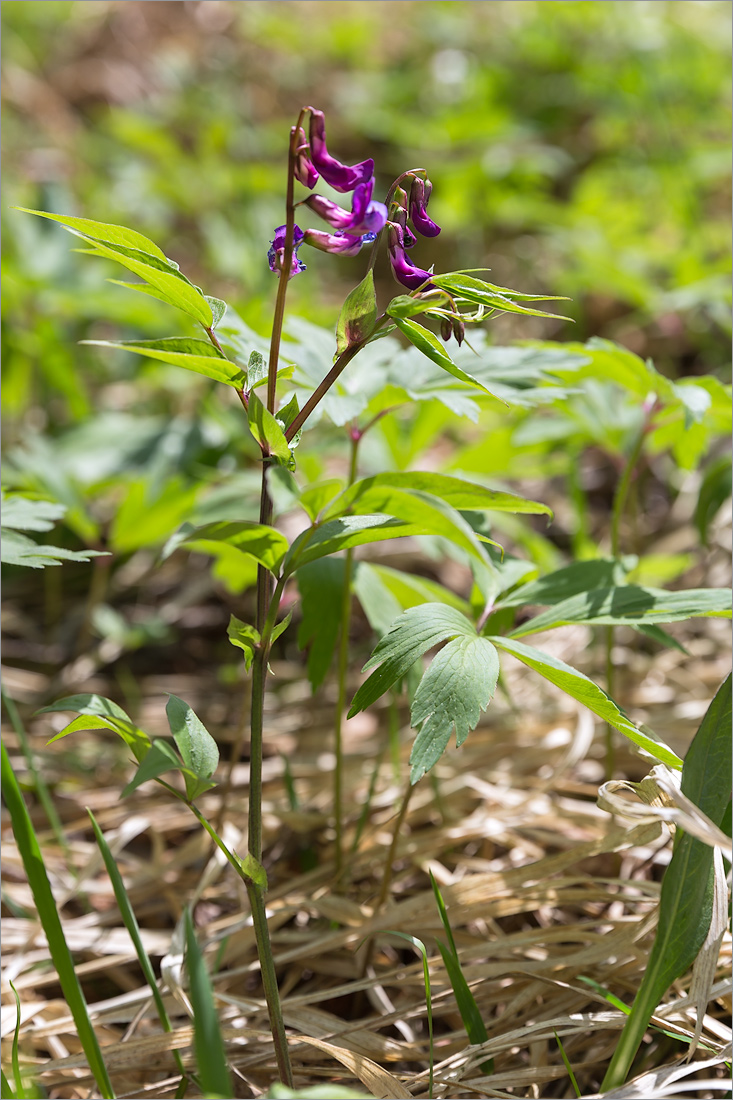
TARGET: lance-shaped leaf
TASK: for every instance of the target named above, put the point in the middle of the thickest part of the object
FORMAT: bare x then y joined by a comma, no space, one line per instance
321,585
455,491
265,544
342,534
266,430
358,315
157,270
577,685
196,355
685,904
87,704
459,684
245,637
102,231
430,345
411,635
632,605
195,744
485,294
135,738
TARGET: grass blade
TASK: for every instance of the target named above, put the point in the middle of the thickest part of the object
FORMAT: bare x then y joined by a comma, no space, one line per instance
30,853
420,946
39,787
568,1067
130,922
213,1071
469,1010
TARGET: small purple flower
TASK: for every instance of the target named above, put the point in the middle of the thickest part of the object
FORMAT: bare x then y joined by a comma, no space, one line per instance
342,177
277,251
304,171
365,217
399,217
403,271
419,196
343,244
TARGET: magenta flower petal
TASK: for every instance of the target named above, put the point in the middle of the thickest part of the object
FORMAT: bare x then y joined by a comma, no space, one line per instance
276,252
342,244
403,271
342,177
419,196
304,171
365,216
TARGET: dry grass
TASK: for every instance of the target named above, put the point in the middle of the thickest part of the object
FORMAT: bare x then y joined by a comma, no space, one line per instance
543,890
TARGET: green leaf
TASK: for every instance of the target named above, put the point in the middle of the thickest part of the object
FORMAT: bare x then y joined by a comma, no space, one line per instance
87,704
581,576
17,549
159,758
256,370
486,294
218,309
281,627
195,744
27,514
102,231
135,738
409,589
211,1060
358,315
714,491
245,637
48,915
411,635
341,534
316,497
321,585
429,345
685,903
195,355
406,306
577,685
265,544
253,869
267,431
453,490
459,683
630,604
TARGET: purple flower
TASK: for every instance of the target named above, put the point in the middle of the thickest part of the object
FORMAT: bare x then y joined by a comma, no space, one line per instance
403,271
343,244
277,251
365,217
419,195
304,171
399,217
342,177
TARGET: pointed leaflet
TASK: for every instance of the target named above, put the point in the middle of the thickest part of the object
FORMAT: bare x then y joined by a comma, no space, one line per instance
340,534
87,704
102,231
26,514
581,576
136,739
195,744
411,635
429,345
685,904
358,315
267,431
18,549
195,355
455,491
589,694
631,604
485,294
458,685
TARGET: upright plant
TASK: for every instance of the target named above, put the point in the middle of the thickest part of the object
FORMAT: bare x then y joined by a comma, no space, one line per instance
461,680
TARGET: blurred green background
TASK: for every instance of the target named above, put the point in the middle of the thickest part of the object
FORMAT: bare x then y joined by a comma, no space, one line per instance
576,147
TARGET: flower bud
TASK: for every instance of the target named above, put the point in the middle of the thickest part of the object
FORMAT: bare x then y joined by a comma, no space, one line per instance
419,196
342,177
303,171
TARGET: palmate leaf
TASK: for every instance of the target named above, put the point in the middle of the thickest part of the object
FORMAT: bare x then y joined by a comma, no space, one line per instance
196,355
18,549
459,684
27,514
632,605
580,687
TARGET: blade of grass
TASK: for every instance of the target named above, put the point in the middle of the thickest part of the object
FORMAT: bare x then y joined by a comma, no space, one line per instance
39,787
568,1067
35,870
469,1010
130,922
211,1059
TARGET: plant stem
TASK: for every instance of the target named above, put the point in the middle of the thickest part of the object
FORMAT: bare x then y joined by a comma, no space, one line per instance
619,503
343,665
389,863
